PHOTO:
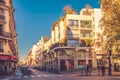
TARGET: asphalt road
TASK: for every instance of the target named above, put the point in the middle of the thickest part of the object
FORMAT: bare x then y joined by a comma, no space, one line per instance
38,75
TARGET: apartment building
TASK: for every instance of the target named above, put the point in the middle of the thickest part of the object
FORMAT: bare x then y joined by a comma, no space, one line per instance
8,36
73,42
35,56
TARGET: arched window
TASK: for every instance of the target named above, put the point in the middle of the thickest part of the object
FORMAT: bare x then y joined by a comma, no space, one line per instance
62,53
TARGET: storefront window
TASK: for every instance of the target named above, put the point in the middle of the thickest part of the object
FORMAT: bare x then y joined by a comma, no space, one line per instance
81,64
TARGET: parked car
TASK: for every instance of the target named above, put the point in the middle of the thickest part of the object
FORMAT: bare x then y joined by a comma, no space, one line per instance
25,70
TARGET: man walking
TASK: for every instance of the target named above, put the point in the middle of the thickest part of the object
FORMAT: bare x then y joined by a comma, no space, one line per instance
103,70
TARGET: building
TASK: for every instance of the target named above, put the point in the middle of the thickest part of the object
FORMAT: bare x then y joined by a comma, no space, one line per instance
35,57
72,43
8,36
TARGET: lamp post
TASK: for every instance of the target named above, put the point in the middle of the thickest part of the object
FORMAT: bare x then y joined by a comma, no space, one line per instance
110,65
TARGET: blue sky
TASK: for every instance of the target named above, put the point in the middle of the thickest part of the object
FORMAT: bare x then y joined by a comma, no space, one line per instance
34,18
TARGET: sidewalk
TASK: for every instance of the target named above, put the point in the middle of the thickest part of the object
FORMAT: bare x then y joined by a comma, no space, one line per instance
93,73
5,76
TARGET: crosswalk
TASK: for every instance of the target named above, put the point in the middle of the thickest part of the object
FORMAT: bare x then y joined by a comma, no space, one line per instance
36,76
43,75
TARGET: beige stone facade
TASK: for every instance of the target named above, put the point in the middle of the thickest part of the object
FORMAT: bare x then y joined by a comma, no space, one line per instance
8,36
72,44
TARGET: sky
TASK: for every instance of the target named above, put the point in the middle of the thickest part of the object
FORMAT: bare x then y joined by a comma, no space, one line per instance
34,18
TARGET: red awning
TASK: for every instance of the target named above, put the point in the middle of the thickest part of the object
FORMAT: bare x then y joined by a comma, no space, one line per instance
8,57
4,57
13,58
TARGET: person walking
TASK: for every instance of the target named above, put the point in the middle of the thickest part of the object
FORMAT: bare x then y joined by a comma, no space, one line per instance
87,70
0,70
99,69
103,70
5,69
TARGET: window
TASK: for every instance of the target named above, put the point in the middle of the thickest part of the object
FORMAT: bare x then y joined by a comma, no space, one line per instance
72,33
73,42
2,14
73,23
2,1
86,33
86,24
1,46
1,11
1,29
62,53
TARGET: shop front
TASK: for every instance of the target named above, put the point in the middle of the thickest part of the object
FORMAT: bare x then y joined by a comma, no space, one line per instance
8,62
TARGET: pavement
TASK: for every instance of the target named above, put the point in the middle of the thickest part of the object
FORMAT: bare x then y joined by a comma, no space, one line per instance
93,73
66,76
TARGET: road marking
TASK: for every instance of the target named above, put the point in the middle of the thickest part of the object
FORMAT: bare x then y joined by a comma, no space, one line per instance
32,76
39,75
45,75
51,75
25,76
5,79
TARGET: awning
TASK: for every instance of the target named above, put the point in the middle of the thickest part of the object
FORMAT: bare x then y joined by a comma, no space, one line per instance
8,57
13,58
4,57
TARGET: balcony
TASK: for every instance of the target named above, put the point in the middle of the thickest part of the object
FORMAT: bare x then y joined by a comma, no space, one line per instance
73,35
86,35
85,43
2,17
2,1
5,34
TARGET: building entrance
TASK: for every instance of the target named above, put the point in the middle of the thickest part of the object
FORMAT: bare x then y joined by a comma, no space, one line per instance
62,65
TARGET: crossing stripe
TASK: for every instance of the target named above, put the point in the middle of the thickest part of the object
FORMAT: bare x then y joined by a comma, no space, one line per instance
39,75
45,75
5,79
32,76
25,76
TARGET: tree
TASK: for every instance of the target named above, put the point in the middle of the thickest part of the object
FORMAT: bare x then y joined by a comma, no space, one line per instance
88,42
110,22
69,10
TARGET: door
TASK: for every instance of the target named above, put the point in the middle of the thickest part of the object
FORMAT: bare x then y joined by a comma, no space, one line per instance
62,65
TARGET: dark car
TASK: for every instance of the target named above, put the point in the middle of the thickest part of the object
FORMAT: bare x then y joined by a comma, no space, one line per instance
25,70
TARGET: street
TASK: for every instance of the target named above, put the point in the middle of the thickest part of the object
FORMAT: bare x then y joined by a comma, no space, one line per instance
38,75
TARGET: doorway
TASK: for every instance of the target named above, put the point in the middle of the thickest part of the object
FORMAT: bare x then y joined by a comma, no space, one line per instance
62,65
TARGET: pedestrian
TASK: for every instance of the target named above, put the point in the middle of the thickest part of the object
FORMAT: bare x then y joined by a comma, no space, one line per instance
103,70
5,70
87,70
99,69
0,70
115,67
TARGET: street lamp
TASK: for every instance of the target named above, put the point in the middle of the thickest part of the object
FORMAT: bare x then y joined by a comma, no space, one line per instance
110,65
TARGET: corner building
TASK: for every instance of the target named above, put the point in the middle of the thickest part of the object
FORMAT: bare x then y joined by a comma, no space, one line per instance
72,42
8,36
